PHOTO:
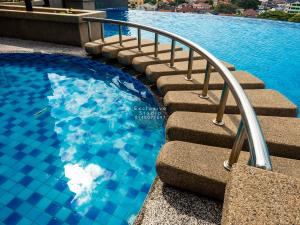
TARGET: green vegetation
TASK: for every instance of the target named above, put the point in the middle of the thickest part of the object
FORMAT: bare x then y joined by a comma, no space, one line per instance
210,2
295,18
246,4
152,2
132,6
279,15
226,8
275,15
235,4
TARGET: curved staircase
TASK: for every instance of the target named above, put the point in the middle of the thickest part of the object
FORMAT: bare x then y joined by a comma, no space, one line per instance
209,123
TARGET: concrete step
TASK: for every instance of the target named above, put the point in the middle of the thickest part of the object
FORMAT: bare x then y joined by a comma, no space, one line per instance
140,63
199,168
265,102
282,134
178,83
111,51
255,196
153,72
125,57
95,47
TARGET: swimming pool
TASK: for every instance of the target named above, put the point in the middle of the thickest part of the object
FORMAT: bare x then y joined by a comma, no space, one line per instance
76,145
267,49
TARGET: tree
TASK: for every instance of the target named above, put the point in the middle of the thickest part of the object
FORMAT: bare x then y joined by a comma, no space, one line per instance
210,2
226,8
152,2
275,15
295,18
28,5
247,4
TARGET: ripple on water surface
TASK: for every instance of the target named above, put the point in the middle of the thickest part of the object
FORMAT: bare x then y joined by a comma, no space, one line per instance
76,140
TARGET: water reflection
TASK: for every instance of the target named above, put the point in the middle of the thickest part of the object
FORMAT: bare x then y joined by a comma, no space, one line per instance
117,15
72,105
83,180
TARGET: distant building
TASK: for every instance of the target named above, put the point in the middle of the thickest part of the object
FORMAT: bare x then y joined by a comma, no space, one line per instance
136,3
250,13
194,8
294,8
147,7
282,7
223,2
104,4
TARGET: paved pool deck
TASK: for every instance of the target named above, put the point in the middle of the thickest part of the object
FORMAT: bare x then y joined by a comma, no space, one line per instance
164,205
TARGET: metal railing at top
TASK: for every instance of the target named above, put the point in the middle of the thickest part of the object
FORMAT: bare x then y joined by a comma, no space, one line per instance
249,126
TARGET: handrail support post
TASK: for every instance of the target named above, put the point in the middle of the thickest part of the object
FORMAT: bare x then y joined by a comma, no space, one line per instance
172,53
237,147
190,65
156,45
102,32
89,30
219,119
120,35
204,93
139,39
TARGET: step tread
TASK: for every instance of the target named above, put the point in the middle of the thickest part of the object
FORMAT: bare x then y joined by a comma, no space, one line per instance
282,134
111,51
199,168
179,83
265,102
95,47
140,63
262,196
153,72
125,57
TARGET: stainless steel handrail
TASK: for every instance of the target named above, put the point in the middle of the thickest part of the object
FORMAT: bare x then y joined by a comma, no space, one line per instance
259,154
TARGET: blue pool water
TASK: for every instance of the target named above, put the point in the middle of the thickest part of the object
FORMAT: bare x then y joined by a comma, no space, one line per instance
74,145
267,49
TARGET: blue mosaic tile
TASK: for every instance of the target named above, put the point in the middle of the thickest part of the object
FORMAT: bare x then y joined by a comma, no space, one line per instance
112,185
26,181
73,165
34,198
13,219
14,203
73,218
27,169
53,208
93,213
132,193
55,221
109,207
20,147
2,179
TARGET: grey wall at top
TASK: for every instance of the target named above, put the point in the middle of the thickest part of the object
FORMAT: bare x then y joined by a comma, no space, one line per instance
102,4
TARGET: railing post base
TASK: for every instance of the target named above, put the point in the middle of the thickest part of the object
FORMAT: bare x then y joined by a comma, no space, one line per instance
188,79
204,96
226,165
221,123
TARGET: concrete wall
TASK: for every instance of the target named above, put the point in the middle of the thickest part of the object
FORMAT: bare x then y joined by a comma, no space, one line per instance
104,4
49,26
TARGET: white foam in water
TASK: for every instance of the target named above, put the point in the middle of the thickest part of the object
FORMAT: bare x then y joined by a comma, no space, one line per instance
83,180
67,154
120,144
